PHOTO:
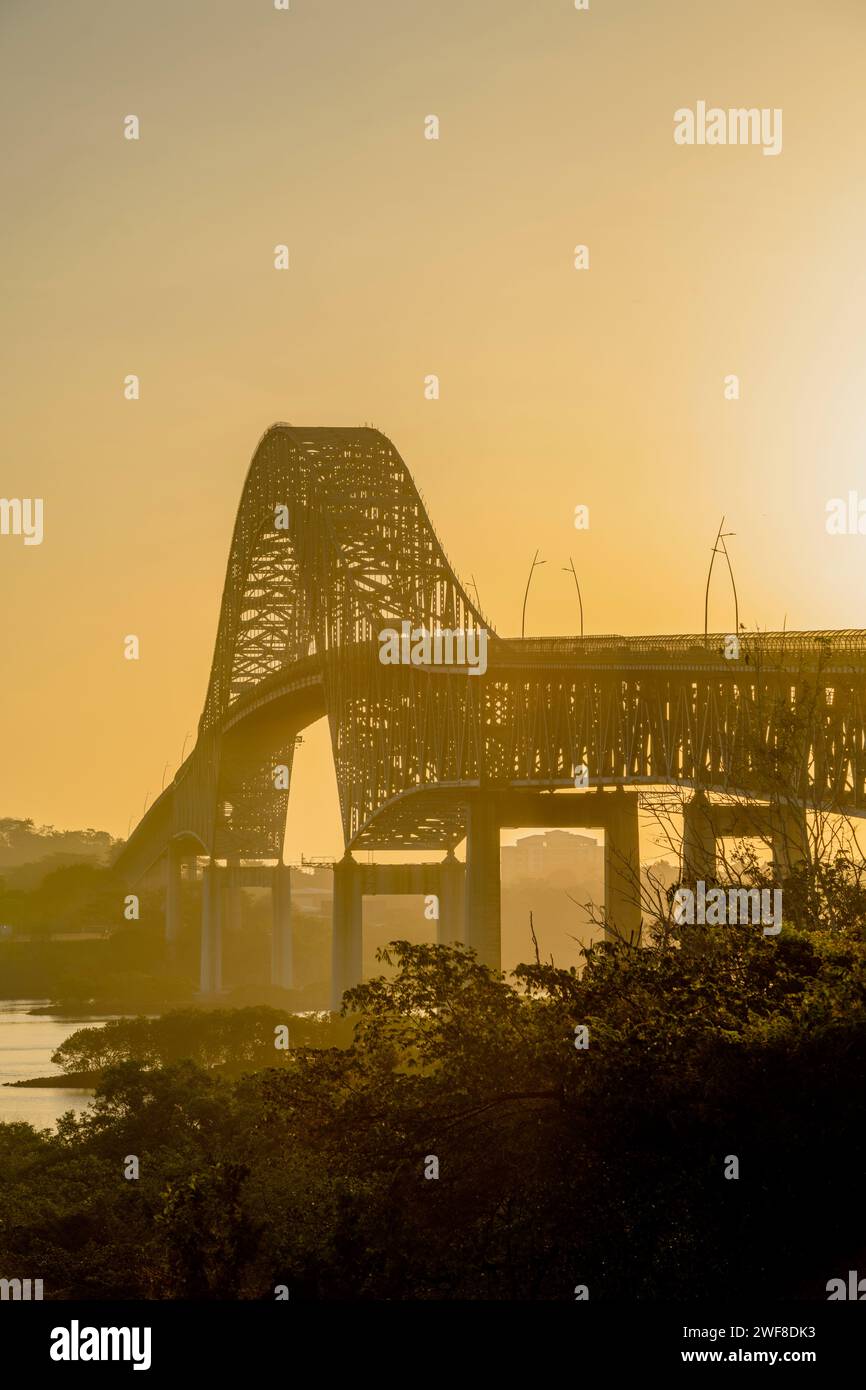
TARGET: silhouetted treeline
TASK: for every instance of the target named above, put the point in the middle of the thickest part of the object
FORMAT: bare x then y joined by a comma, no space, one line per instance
228,1041
22,841
558,1166
72,897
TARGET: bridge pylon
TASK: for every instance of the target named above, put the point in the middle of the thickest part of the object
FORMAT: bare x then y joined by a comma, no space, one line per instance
282,944
782,826
212,897
483,891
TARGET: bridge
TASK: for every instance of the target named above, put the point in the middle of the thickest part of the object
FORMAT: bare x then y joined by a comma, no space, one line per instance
332,545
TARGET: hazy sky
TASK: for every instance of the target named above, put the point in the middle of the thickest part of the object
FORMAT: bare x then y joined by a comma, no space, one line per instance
409,256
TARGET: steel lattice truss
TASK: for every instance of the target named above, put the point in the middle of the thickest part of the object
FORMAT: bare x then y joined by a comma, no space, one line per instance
332,543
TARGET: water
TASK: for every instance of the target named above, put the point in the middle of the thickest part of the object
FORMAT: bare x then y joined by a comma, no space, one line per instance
26,1043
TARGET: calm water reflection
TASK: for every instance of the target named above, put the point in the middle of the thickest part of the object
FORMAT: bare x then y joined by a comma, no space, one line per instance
26,1044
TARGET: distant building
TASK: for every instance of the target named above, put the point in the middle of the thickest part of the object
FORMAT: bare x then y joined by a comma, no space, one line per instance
553,856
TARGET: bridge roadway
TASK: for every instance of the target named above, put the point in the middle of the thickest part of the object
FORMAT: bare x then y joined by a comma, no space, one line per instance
676,692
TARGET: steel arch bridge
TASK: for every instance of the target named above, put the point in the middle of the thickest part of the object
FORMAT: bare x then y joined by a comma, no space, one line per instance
331,545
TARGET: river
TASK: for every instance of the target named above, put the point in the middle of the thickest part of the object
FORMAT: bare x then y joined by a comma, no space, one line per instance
27,1041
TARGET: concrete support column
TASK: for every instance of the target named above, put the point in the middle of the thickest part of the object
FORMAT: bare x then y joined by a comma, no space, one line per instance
282,960
452,891
622,888
173,898
699,841
212,893
232,895
348,930
483,927
790,840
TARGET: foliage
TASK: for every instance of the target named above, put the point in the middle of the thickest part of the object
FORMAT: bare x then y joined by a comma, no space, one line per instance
70,898
557,1165
231,1041
22,841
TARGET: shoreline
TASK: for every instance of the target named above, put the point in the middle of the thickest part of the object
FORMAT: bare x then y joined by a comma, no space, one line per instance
74,1080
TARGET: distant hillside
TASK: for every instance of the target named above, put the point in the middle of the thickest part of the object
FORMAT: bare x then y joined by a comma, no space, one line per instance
23,842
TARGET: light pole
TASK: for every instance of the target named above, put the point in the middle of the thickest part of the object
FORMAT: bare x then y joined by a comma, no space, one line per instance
721,537
535,563
565,570
733,585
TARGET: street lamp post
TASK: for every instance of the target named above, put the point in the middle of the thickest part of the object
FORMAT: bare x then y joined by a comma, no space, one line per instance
721,536
565,570
535,563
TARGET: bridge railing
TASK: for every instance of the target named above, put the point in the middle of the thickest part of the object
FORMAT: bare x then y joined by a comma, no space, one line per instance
847,642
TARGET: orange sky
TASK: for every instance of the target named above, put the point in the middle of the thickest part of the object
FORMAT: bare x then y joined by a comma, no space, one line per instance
408,257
